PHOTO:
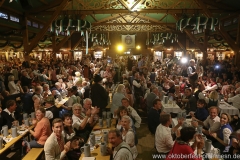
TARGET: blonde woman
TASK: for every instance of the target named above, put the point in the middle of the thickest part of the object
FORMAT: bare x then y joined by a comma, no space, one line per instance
128,135
212,99
14,88
117,97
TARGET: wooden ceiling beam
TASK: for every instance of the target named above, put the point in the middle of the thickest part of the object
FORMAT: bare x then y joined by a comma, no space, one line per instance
45,7
135,4
217,5
123,18
152,23
118,11
220,29
77,43
46,26
124,4
181,45
62,42
195,41
163,17
1,2
44,2
238,32
93,17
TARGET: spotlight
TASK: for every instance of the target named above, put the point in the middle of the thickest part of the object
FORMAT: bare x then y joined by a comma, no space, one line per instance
184,60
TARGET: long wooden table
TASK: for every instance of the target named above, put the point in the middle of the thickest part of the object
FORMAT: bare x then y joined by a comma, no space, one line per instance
14,140
97,151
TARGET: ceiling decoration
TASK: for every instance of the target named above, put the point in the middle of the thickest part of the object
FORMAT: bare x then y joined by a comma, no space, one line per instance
161,38
195,23
66,24
129,28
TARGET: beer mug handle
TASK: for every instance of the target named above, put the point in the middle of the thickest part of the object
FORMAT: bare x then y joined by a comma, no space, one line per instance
82,149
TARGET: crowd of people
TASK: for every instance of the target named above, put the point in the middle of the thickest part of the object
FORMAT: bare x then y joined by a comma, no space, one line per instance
132,85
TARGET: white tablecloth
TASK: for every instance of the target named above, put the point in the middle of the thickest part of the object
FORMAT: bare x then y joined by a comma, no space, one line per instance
227,108
170,108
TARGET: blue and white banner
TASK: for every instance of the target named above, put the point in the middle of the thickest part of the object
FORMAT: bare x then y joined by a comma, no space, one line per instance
128,41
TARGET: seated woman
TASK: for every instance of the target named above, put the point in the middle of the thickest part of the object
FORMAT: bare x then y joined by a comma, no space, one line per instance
70,135
123,111
182,147
201,113
128,135
223,136
212,100
41,131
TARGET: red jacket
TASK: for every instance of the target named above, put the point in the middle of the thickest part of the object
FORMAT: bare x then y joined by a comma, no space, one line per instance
182,152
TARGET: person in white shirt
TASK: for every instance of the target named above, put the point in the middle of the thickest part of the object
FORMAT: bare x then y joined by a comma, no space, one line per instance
132,112
163,136
211,124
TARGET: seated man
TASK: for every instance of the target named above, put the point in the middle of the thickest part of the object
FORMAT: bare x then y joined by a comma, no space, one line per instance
121,149
154,116
189,100
87,105
211,124
55,147
10,115
52,111
163,136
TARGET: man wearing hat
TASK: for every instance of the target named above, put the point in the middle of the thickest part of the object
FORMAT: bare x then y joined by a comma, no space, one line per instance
99,95
49,104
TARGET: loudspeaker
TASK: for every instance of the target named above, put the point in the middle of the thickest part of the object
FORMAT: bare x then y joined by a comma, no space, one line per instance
26,4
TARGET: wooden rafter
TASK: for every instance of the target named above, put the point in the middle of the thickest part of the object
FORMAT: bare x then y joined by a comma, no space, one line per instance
220,29
93,17
123,18
46,26
193,38
77,43
44,2
115,16
134,18
152,23
238,32
135,4
124,4
1,2
181,45
25,32
217,5
62,42
118,11
45,7
163,17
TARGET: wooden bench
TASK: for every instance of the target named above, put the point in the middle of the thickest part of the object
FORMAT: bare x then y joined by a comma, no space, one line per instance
33,154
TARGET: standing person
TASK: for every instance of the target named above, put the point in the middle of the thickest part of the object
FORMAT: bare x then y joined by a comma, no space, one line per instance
122,150
154,116
117,97
55,147
192,74
99,95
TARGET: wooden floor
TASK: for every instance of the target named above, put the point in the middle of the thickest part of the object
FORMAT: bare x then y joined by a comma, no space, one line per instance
145,140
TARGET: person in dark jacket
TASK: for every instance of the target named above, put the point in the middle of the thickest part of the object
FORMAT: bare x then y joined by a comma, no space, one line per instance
154,116
99,95
27,101
201,113
49,104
